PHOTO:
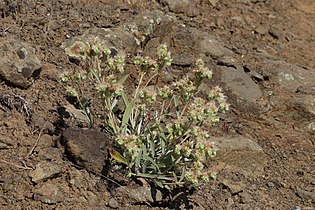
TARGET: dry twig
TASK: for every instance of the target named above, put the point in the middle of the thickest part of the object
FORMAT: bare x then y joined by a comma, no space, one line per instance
17,166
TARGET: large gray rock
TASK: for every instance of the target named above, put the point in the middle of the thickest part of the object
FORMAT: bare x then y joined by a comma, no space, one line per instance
289,76
19,64
240,84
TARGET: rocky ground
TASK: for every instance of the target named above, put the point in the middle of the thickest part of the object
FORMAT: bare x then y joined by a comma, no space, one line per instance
262,55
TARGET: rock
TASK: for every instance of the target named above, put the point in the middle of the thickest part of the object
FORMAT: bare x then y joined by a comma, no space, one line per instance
240,84
44,170
116,39
113,203
311,126
87,147
310,90
49,194
19,64
210,46
128,37
6,142
228,61
188,7
305,106
40,121
76,178
90,197
185,40
137,195
50,72
306,194
242,154
233,186
289,76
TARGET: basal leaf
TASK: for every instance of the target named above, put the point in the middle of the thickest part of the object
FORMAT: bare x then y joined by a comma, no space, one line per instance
127,115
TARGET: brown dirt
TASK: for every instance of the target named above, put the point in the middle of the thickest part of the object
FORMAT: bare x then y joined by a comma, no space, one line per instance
284,28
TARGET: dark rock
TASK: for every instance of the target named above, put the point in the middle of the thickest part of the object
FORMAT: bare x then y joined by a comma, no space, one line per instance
87,147
19,64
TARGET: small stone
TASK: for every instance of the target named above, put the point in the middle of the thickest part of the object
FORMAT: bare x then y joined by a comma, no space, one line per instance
311,126
44,170
271,184
76,178
233,187
50,71
48,193
91,197
113,203
230,202
137,195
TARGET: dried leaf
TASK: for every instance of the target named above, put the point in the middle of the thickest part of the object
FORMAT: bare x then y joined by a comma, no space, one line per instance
117,156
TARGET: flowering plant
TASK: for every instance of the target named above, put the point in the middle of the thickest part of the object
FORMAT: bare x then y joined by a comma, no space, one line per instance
162,131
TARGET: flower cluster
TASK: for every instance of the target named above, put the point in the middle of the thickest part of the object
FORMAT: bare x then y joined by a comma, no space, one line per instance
131,144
